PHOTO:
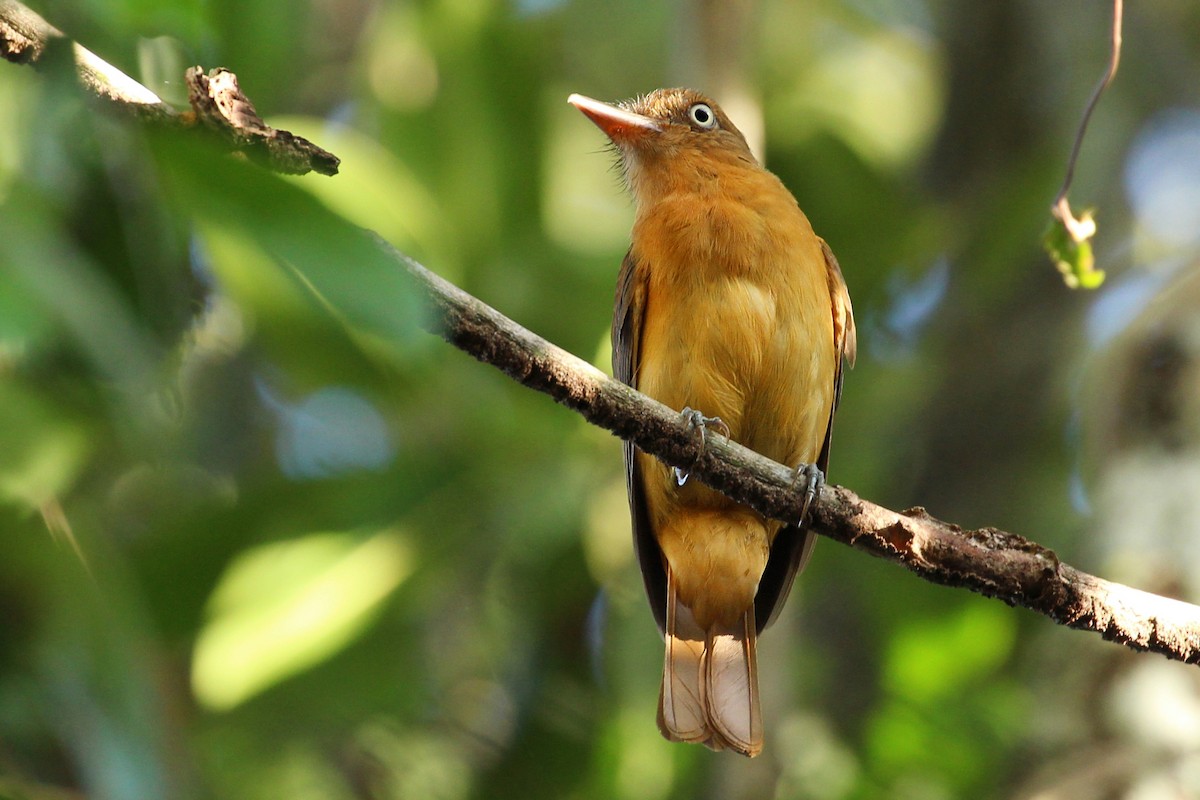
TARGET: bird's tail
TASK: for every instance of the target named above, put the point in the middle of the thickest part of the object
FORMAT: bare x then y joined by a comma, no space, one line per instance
710,682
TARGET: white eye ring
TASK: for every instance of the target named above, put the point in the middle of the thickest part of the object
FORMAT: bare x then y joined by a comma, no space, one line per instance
702,116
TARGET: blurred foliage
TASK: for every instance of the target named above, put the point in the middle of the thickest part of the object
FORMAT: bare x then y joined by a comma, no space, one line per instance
264,538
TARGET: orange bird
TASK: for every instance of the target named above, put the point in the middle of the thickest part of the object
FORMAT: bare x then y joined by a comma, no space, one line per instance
727,302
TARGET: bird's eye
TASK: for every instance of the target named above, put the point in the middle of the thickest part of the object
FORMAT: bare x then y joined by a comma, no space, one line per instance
702,116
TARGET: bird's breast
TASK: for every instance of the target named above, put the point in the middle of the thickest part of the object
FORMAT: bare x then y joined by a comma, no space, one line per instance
737,321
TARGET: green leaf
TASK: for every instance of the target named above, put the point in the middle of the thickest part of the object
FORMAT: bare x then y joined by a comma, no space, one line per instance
284,607
1070,248
42,449
306,243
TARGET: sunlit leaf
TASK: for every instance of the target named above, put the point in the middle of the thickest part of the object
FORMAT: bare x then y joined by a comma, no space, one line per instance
283,607
373,189
41,448
331,258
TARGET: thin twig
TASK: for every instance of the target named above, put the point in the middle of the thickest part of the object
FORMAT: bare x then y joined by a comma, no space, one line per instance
1061,207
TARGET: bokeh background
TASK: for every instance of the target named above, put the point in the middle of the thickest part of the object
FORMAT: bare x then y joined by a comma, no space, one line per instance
264,538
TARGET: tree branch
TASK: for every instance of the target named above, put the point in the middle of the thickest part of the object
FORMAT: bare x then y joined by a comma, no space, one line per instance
989,561
218,104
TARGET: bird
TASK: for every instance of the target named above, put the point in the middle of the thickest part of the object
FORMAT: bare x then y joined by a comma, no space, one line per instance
727,303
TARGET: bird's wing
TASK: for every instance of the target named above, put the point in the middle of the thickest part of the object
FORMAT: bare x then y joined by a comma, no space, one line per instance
845,340
626,348
793,545
845,336
627,321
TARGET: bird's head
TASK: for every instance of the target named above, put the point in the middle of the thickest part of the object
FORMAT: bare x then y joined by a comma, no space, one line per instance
668,136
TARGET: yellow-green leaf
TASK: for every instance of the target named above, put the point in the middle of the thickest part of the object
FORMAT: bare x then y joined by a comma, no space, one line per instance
1070,248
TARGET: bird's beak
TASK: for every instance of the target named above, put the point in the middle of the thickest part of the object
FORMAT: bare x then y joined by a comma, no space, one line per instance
620,126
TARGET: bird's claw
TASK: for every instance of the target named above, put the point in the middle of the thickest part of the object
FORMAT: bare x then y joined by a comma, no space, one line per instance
810,478
700,423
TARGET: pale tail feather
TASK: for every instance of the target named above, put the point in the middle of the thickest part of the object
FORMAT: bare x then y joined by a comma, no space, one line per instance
710,682
681,715
729,691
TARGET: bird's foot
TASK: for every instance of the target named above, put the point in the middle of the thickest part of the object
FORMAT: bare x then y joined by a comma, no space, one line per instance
699,423
810,479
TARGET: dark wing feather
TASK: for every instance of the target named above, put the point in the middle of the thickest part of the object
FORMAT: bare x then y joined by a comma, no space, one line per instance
626,348
793,545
